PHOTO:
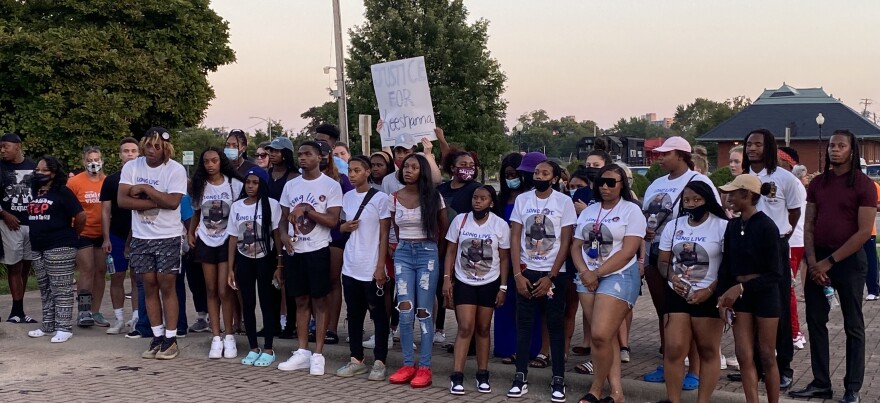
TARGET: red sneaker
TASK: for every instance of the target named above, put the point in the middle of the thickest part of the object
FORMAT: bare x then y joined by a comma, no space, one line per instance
403,375
422,378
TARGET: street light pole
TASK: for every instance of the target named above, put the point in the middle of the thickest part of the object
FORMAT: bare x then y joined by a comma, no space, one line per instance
268,125
820,120
340,76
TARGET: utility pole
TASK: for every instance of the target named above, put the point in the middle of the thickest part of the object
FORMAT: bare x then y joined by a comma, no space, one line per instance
340,74
866,102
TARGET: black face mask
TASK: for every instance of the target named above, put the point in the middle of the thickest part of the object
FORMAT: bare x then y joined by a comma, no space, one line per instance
696,213
480,214
322,165
542,185
592,173
40,179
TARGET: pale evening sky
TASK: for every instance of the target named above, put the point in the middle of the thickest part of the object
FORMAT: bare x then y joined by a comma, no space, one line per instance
598,60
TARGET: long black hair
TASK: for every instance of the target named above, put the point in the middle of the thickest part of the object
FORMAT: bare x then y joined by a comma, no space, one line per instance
56,167
854,158
289,161
510,160
705,191
429,198
267,220
625,192
769,157
200,177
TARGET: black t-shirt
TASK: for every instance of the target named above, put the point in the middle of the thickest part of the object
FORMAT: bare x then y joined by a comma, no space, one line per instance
246,166
120,221
15,184
51,216
458,200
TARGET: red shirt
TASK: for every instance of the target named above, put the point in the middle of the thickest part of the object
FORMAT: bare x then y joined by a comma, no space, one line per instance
837,206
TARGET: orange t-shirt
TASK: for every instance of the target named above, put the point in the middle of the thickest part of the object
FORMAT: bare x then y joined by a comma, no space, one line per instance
88,193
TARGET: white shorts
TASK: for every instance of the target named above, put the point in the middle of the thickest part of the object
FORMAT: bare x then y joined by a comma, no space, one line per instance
16,244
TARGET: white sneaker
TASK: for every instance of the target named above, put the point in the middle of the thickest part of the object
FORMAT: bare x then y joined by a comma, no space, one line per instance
299,360
316,365
732,362
229,348
687,362
283,321
799,341
370,343
216,348
871,297
723,362
61,337
116,328
439,338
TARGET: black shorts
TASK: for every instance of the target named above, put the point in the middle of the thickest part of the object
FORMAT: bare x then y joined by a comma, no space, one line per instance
211,254
161,256
763,302
308,274
479,295
338,243
677,304
86,242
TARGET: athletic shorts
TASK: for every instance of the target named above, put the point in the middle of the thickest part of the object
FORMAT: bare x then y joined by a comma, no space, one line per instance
156,255
16,244
308,274
763,302
211,254
85,242
677,304
479,295
117,250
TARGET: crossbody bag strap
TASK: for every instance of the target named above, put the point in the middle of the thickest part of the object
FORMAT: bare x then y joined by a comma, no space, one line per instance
364,203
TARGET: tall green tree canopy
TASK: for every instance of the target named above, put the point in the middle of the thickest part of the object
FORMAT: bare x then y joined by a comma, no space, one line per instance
76,73
466,82
697,118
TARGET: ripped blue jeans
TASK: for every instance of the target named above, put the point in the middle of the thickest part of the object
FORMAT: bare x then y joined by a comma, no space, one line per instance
417,272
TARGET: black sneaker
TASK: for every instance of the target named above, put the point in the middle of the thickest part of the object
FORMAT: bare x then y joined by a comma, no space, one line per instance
483,381
288,333
331,338
155,345
456,381
134,334
557,389
520,385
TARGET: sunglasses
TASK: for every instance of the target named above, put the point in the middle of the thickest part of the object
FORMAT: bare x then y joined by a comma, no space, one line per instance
262,155
609,182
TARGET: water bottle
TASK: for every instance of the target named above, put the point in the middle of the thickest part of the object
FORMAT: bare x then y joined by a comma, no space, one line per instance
652,222
829,294
111,268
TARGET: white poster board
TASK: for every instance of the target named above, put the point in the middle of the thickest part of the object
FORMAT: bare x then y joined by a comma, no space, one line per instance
188,157
404,100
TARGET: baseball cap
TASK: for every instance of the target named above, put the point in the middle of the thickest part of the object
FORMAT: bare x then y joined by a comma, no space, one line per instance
10,138
161,131
745,181
404,141
259,173
279,143
675,143
531,160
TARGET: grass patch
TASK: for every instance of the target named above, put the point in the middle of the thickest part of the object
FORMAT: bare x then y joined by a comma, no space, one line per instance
4,284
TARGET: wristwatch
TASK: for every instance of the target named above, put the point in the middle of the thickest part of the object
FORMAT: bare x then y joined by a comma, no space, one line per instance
832,260
502,288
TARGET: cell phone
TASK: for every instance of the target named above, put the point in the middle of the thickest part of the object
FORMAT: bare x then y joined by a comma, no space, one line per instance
584,194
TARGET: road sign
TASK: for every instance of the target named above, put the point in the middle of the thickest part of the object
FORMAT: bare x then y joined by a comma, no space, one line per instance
187,158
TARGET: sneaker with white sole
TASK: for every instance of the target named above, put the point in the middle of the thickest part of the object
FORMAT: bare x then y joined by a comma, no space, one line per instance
371,342
216,348
377,373
624,355
520,386
99,320
352,368
229,348
200,326
732,362
116,328
316,364
456,383
483,381
134,334
723,362
395,335
872,297
439,337
557,389
799,341
687,361
301,359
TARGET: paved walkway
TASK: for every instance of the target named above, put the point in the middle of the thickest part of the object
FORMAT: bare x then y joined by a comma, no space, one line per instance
94,366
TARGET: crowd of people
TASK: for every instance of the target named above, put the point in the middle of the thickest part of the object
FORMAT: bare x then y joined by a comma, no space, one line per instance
300,229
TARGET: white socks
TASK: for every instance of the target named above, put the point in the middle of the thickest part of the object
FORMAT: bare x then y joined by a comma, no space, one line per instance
119,313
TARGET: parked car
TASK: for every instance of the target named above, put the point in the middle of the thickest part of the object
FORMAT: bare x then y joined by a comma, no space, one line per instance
873,171
641,170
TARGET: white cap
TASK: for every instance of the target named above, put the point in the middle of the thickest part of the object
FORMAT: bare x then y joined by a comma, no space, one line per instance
675,143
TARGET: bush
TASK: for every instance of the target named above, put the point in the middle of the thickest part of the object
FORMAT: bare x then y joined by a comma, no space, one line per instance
654,172
721,177
640,185
573,166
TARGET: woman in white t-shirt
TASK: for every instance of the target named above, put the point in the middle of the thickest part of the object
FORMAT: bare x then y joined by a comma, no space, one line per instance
690,254
215,188
608,235
253,240
479,246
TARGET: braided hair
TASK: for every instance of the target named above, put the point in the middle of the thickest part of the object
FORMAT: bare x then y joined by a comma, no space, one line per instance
853,158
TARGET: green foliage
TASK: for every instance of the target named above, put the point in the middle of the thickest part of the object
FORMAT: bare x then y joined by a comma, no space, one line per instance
722,176
573,166
554,137
78,73
640,185
702,115
654,172
639,127
466,82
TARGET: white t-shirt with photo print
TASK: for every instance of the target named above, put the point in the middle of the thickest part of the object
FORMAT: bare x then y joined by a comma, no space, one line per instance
361,254
249,229
623,220
542,221
170,178
696,251
321,193
214,210
663,192
477,261
786,193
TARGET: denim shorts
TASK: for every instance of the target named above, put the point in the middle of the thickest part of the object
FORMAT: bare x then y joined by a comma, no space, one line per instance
623,286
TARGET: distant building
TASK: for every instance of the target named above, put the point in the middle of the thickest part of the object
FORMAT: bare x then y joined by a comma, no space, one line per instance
652,118
629,149
796,109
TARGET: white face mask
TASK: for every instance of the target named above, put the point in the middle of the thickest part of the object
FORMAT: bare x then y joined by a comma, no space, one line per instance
94,167
231,153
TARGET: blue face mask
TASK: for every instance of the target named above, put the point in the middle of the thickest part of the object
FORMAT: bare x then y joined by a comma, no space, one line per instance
514,183
231,153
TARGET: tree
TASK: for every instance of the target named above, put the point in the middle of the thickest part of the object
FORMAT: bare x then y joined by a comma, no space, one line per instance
639,127
78,73
466,82
702,115
555,137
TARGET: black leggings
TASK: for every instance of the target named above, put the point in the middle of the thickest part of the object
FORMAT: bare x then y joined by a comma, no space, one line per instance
260,271
360,296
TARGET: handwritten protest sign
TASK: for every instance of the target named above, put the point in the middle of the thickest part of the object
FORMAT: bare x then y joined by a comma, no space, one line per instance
404,101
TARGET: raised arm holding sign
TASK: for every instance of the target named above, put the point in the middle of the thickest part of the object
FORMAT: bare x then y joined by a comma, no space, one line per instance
404,100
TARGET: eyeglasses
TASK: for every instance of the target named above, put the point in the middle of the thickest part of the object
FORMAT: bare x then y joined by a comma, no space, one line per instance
262,155
609,182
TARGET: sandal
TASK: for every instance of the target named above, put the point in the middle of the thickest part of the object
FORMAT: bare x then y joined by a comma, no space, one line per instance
509,360
658,376
580,350
690,382
540,361
265,359
18,319
589,398
585,368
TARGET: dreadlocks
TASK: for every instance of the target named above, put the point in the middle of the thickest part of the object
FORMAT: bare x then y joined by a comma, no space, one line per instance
853,158
769,157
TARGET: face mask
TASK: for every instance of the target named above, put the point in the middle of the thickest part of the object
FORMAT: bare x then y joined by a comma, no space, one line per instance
592,173
514,183
571,192
697,213
40,179
465,174
479,214
542,185
231,153
94,167
322,165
